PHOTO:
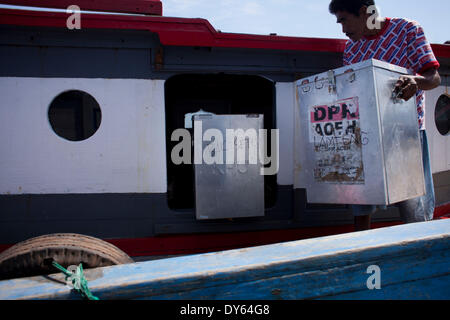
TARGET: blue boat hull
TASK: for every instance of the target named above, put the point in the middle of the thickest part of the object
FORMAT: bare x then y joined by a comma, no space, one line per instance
402,262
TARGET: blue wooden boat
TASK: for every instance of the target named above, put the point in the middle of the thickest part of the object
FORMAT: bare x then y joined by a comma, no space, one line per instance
401,262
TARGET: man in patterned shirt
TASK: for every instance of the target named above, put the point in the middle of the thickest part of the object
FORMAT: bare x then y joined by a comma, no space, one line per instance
401,42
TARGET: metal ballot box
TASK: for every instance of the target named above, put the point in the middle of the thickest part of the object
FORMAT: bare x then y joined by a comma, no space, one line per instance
227,186
359,144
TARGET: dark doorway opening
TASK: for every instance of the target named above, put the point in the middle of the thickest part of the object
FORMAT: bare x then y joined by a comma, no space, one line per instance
218,94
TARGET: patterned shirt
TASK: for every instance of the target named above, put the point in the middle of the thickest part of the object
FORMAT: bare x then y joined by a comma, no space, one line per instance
401,42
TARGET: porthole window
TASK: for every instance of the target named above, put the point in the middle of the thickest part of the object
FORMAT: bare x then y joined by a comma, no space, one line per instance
442,114
74,115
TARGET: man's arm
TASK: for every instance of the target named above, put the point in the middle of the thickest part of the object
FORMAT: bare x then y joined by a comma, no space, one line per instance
409,85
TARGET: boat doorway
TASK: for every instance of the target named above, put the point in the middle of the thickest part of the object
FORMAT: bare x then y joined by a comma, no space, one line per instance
219,94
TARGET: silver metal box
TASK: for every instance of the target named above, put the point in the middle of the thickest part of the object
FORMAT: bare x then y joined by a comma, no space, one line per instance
358,144
233,188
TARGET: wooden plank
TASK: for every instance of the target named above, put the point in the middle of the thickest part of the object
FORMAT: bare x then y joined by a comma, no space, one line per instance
412,258
149,7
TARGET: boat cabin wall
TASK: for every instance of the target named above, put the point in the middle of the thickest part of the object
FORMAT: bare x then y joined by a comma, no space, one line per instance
125,72
118,175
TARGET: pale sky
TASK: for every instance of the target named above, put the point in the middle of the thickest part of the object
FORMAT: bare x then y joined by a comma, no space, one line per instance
303,18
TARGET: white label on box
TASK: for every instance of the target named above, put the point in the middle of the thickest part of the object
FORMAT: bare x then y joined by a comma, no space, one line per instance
337,142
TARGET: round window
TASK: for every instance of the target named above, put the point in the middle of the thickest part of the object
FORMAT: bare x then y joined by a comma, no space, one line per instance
442,114
74,115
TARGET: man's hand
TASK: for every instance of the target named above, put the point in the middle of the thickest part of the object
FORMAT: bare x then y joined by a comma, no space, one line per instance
406,87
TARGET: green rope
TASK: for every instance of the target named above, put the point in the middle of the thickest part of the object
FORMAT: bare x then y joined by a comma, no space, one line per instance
78,280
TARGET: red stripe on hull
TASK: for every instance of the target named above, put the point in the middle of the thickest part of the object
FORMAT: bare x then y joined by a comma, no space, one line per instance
173,31
201,243
184,31
442,211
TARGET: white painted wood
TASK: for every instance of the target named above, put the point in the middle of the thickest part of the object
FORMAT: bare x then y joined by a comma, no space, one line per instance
439,145
448,153
285,123
125,155
299,145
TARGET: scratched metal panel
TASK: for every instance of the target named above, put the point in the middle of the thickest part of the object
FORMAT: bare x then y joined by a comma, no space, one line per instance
401,142
359,145
231,190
